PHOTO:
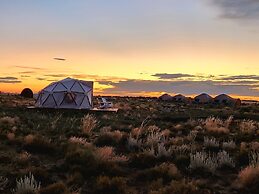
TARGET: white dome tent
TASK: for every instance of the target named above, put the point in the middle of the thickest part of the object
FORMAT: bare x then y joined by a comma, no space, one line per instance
67,93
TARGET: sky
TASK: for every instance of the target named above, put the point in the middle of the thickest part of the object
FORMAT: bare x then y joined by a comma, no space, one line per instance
132,47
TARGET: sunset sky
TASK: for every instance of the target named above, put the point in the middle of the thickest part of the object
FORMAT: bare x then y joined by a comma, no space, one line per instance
132,47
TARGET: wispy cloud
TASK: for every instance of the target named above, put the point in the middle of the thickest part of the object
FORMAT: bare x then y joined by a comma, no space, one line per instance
238,9
11,80
172,76
29,67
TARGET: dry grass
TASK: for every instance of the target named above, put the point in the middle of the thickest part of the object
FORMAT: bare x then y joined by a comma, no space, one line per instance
217,125
80,140
248,126
89,122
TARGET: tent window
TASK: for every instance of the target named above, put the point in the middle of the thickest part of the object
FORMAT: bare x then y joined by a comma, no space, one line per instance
69,98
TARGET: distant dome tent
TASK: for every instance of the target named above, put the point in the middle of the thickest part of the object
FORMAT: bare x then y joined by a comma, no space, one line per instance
166,97
67,93
225,99
180,98
203,98
27,93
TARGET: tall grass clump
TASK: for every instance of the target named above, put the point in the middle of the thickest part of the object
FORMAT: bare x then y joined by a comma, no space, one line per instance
216,125
203,160
89,122
247,126
27,184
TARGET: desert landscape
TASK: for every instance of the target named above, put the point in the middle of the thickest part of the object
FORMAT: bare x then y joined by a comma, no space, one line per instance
148,146
129,97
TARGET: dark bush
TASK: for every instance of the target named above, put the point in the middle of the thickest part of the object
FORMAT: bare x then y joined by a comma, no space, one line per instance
56,188
114,185
40,145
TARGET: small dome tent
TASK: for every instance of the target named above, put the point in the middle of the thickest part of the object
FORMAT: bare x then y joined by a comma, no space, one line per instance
180,98
227,100
203,98
224,99
27,93
165,97
67,93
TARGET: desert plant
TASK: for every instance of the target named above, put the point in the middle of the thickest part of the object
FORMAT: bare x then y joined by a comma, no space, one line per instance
134,142
3,182
113,185
225,160
254,159
79,140
203,160
27,184
55,188
211,142
247,126
217,125
249,178
89,122
229,145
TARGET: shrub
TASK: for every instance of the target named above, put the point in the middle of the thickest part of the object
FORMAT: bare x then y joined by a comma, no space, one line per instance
114,185
106,139
89,122
39,144
225,160
180,187
82,160
247,126
3,182
211,142
254,159
248,178
107,154
80,140
56,188
165,171
217,125
229,145
27,184
203,160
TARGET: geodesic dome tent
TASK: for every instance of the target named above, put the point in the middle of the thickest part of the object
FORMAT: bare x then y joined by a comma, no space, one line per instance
67,93
203,98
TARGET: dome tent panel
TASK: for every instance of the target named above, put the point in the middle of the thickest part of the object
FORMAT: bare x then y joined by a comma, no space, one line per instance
85,103
59,97
77,88
79,99
60,88
50,87
68,82
50,102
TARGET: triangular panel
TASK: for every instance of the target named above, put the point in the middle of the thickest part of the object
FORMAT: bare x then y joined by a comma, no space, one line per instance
68,83
60,88
50,102
77,88
79,98
50,87
59,97
85,104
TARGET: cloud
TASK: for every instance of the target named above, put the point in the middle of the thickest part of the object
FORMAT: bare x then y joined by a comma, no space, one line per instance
172,76
184,87
241,77
29,67
9,80
238,9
